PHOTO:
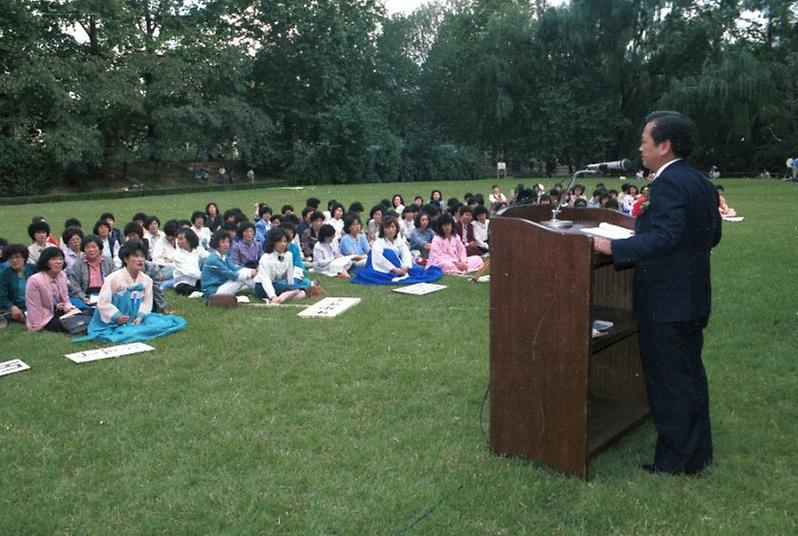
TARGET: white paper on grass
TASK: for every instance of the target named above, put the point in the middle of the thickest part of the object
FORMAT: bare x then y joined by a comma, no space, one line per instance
329,307
107,353
420,289
12,366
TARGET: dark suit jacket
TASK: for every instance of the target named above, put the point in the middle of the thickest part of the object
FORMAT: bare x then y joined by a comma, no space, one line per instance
671,247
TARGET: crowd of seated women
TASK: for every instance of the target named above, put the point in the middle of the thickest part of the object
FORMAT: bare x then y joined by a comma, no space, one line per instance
275,255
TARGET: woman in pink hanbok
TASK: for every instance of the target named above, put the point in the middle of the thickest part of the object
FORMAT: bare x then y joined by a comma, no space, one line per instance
448,251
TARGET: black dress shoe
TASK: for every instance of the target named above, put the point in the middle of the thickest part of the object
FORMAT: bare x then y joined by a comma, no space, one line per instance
654,470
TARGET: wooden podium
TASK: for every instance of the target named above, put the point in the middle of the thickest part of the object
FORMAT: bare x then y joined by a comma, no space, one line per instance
558,395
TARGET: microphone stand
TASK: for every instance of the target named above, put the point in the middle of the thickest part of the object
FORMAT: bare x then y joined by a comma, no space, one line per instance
566,224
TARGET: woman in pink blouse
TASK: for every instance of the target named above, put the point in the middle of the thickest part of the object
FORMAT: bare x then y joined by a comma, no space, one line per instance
46,294
448,251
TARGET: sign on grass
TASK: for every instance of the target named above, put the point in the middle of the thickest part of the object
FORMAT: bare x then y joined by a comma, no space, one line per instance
329,307
420,289
107,353
10,367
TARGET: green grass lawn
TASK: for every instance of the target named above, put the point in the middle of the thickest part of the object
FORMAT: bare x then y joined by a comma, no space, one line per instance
257,421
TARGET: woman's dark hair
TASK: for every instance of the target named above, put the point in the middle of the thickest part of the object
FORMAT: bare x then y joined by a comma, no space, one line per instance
264,209
100,223
387,222
276,219
306,211
453,203
184,223
481,209
69,232
441,221
37,227
417,219
408,209
611,203
386,203
198,214
151,219
349,219
417,198
217,237
15,249
330,204
313,202
171,227
357,206
431,210
49,253
335,206
286,208
275,235
326,231
633,186
229,227
290,218
133,227
88,239
317,215
581,189
107,216
288,226
211,204
580,202
401,199
139,216
375,209
243,226
191,237
131,247
72,222
432,194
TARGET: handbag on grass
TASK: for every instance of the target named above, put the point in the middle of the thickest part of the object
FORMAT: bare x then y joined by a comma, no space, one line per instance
76,323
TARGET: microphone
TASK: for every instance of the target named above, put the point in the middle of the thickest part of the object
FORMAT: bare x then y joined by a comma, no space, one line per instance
620,165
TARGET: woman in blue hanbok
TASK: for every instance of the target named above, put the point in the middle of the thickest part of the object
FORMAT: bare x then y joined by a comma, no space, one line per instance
389,262
124,309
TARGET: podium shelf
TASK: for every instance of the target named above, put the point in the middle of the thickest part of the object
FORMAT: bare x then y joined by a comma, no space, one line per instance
623,326
609,419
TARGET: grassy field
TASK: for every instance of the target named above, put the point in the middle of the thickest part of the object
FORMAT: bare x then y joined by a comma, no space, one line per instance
257,421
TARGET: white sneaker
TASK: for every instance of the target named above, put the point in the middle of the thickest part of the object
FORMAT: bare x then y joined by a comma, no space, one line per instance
195,294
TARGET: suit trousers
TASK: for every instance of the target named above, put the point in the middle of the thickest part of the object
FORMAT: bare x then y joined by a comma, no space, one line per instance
678,394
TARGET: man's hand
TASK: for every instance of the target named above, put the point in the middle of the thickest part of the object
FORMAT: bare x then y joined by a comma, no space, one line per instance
602,245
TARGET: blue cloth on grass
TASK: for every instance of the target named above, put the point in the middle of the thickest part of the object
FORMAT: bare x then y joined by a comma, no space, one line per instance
128,302
416,274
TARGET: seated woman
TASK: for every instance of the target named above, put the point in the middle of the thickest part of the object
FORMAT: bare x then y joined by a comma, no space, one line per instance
38,232
327,258
72,237
219,275
480,227
46,293
301,278
163,252
422,235
725,210
373,226
189,259
354,242
110,247
389,261
13,281
88,273
448,252
275,279
336,218
198,226
246,251
124,309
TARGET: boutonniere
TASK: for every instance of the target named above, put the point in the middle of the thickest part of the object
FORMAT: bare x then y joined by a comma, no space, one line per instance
644,206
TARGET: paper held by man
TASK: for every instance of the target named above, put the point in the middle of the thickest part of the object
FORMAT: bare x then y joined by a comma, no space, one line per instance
609,231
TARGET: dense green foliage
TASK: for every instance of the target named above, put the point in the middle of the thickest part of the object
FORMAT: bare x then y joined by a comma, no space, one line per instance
337,91
254,421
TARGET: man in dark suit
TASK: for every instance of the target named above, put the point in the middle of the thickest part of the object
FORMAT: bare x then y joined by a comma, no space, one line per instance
670,250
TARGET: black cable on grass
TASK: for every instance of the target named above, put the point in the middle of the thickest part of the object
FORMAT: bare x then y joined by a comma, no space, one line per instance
428,511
